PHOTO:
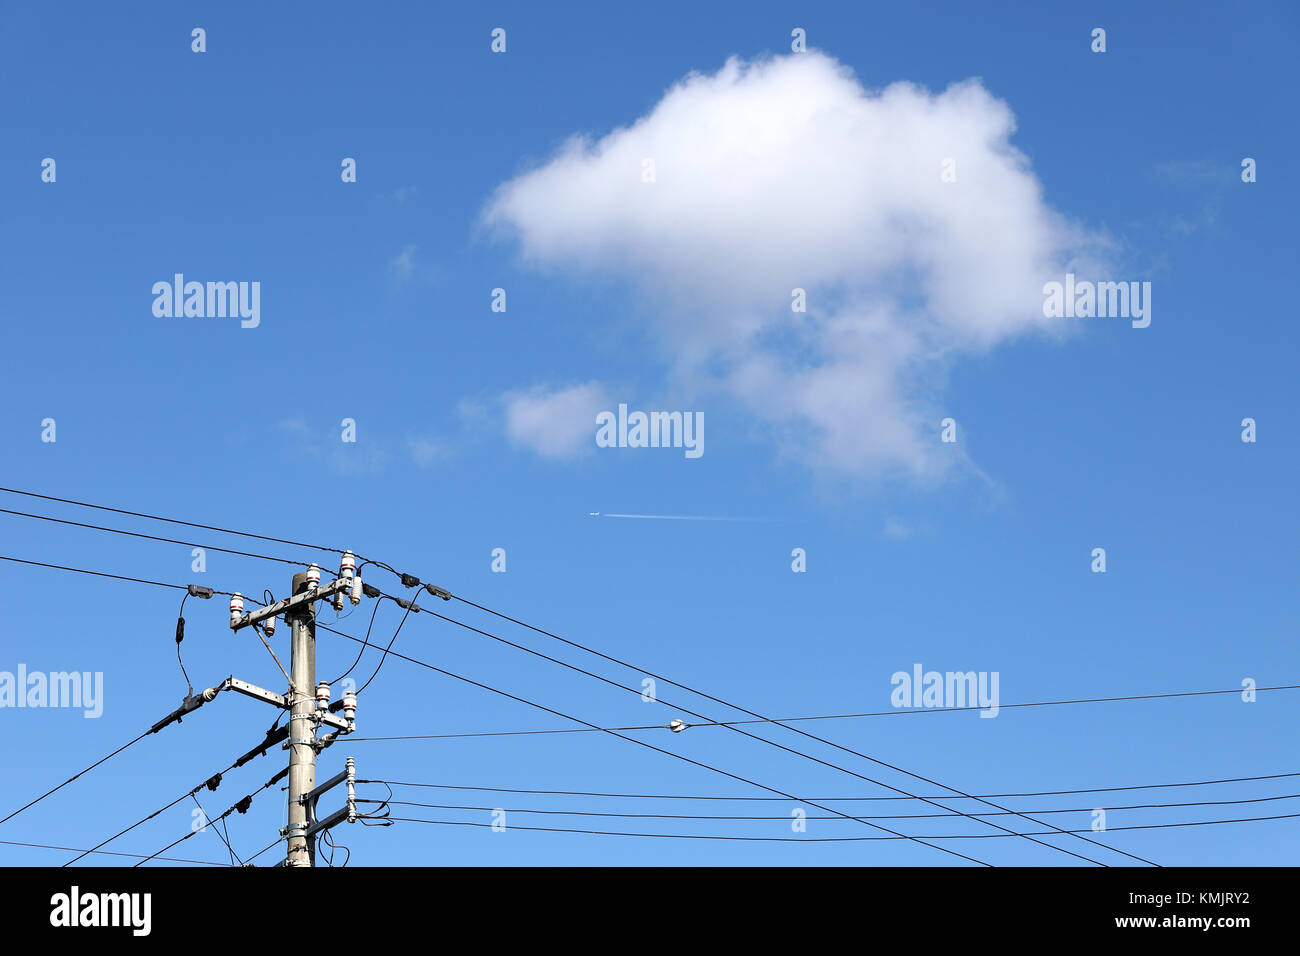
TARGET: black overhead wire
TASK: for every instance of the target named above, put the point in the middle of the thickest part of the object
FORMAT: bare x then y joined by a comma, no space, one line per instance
860,839
405,578
179,587
152,537
103,574
362,649
391,640
380,816
209,822
74,849
240,806
792,750
803,733
76,775
249,860
585,723
880,713
211,783
513,620
182,797
188,524
180,636
887,816
676,756
327,839
680,796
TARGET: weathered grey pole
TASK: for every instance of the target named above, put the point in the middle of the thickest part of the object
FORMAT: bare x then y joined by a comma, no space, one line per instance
302,730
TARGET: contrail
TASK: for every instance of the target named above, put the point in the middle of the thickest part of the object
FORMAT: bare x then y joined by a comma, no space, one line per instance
597,514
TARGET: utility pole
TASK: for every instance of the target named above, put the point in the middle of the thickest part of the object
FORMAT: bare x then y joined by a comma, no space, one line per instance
308,711
302,729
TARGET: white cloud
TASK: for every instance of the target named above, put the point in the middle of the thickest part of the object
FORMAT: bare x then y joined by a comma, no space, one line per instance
555,423
897,529
406,266
425,452
403,264
786,173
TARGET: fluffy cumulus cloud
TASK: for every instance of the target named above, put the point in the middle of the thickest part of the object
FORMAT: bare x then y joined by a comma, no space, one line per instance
787,174
555,423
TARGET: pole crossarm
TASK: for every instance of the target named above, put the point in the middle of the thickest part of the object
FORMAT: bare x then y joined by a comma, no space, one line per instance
291,603
282,702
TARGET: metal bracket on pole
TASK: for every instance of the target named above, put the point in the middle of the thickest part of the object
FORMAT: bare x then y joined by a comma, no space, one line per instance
282,702
348,813
335,818
290,603
258,693
329,784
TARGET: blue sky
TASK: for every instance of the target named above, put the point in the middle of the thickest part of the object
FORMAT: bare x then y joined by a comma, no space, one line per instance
375,306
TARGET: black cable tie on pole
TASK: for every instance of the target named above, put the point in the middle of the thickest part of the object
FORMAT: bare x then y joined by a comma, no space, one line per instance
199,591
213,782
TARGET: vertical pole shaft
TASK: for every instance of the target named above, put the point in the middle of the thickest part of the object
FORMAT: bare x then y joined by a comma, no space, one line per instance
302,756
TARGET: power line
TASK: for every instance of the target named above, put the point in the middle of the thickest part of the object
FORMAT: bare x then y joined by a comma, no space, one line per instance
74,849
103,574
792,750
641,743
77,774
273,843
362,650
224,838
881,713
890,816
391,640
678,796
211,783
758,839
153,537
241,806
188,524
407,579
411,606
803,733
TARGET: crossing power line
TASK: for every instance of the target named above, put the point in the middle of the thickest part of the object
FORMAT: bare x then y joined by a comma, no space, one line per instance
839,799
858,839
679,726
793,750
755,718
